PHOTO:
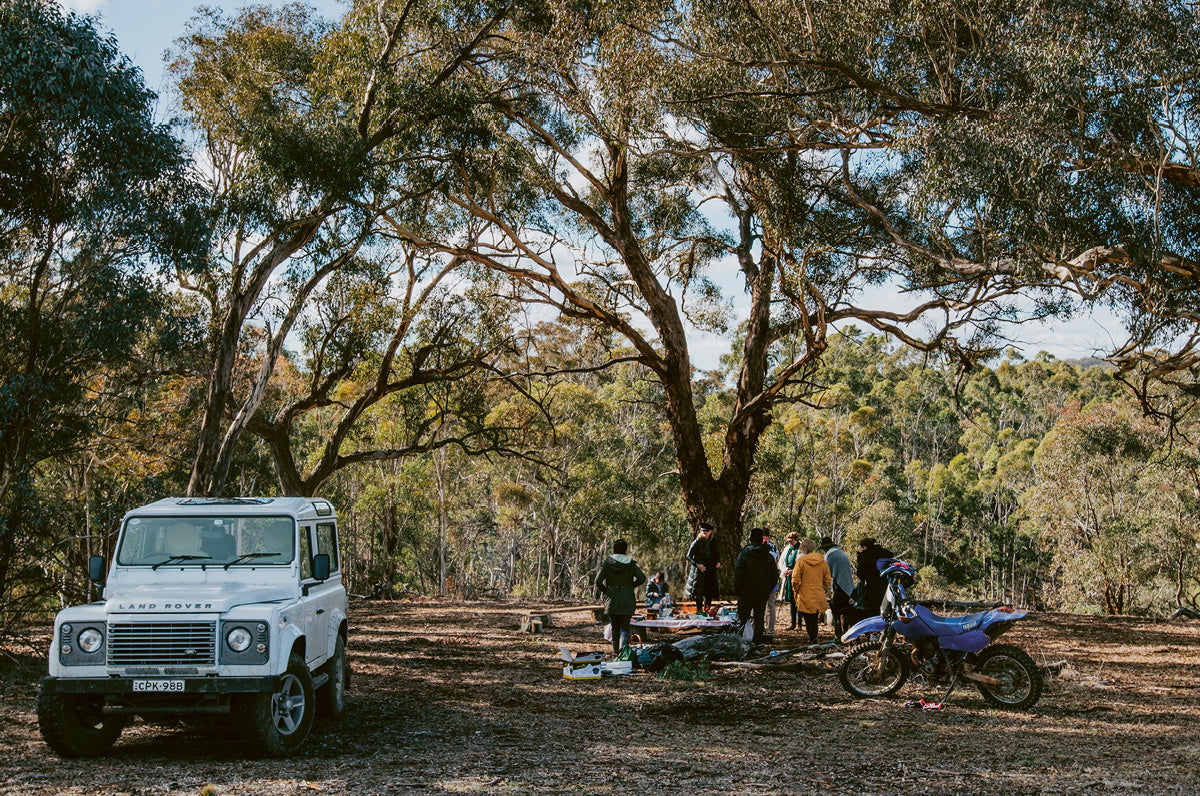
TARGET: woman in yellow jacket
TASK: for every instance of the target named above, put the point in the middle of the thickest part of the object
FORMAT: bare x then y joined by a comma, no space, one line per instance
810,583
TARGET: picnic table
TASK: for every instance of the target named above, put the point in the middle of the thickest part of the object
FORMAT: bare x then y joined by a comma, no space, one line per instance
682,624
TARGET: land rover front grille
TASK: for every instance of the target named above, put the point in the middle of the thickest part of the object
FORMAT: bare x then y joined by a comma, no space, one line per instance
162,644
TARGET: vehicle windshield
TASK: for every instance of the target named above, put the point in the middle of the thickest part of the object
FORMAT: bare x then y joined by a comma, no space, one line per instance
207,541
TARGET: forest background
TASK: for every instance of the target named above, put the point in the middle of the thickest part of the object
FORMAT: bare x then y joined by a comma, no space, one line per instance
441,263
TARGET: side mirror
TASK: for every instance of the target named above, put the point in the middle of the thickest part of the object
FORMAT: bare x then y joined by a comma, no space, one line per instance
96,569
321,566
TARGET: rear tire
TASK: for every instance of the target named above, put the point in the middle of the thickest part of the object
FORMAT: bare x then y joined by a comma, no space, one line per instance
860,671
277,724
331,697
74,725
1020,679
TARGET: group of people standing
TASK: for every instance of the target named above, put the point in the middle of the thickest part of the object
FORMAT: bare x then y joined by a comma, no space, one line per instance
809,582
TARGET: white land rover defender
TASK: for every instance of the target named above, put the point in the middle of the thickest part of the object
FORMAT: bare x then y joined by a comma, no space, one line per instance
210,606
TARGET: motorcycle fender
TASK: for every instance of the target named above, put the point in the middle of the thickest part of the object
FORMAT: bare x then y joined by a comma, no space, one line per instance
873,624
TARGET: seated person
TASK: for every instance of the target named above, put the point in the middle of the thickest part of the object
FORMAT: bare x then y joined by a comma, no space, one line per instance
656,591
182,539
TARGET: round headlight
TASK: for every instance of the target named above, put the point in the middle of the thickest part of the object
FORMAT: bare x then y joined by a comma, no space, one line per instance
90,640
66,630
238,639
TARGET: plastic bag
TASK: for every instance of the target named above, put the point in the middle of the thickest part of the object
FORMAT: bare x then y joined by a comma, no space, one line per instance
658,657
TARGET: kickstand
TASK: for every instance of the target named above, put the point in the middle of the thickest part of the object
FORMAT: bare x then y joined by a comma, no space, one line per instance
942,702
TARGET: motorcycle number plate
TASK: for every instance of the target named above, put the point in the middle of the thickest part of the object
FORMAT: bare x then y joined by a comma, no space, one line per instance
159,686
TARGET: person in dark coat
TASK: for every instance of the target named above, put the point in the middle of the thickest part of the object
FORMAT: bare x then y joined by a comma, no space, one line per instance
869,552
702,583
656,590
617,581
755,576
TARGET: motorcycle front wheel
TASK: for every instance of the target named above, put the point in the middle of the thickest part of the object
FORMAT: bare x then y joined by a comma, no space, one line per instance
1020,681
866,671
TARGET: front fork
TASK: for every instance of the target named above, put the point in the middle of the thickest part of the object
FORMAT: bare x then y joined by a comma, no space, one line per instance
885,649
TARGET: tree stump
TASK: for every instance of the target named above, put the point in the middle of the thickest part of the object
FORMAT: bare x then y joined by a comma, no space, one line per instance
534,623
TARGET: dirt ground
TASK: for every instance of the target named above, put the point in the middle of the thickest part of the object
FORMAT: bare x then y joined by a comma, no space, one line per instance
452,698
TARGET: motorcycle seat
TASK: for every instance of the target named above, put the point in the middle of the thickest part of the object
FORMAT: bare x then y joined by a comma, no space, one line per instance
952,625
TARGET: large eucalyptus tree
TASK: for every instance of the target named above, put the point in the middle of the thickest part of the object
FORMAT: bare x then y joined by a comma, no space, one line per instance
928,169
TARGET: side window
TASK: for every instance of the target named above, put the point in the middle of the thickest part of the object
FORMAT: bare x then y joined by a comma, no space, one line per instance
305,553
327,543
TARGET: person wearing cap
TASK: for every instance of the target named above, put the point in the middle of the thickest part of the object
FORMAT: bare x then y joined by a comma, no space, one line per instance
843,584
705,558
754,577
810,581
787,560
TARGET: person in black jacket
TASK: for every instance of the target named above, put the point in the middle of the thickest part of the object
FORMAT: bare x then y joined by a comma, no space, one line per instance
755,575
705,558
656,590
869,552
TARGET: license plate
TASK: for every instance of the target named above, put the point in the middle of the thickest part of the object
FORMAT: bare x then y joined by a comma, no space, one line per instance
159,686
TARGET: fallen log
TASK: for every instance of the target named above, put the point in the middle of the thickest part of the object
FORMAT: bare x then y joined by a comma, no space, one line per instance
794,666
537,619
1184,612
776,655
570,609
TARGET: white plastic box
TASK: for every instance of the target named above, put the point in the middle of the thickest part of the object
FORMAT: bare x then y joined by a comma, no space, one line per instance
582,671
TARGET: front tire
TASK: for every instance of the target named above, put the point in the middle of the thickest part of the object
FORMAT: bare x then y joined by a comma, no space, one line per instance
1020,680
278,723
74,725
862,676
331,698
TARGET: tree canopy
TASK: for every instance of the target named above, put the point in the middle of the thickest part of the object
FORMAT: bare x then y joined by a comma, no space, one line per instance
450,261
92,192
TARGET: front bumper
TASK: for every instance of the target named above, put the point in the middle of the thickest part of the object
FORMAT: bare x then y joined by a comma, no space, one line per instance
191,685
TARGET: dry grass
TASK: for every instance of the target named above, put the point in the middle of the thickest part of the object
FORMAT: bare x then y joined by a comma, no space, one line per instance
453,699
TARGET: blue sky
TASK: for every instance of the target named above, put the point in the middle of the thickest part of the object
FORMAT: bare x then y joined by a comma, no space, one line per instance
144,29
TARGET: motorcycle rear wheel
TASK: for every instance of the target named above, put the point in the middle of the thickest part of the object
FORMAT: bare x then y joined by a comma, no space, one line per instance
860,672
1020,679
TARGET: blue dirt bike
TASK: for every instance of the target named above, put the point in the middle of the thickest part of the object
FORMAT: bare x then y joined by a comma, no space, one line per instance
943,649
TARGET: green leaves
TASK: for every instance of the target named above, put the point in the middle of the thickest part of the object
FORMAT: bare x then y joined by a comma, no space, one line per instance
92,191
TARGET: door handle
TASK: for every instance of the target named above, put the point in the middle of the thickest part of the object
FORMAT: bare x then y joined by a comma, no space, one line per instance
320,610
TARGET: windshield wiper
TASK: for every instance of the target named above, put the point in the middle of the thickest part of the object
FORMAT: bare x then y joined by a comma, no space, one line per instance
174,559
248,556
